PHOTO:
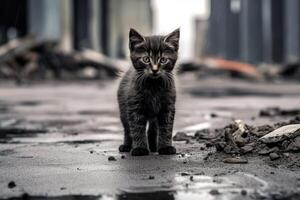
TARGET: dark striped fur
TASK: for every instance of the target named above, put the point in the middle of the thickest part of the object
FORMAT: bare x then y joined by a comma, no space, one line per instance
147,94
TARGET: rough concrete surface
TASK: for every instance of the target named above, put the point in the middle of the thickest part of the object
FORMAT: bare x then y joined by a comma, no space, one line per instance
60,141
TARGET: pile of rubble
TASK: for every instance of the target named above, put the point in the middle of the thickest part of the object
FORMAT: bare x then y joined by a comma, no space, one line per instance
30,58
212,66
238,139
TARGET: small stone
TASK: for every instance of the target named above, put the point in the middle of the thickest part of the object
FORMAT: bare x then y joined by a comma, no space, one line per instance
11,184
184,174
206,157
235,160
184,162
91,152
181,136
214,192
244,192
272,172
217,181
204,134
247,149
286,154
274,156
122,157
209,144
151,177
295,145
111,158
213,115
191,178
267,151
63,188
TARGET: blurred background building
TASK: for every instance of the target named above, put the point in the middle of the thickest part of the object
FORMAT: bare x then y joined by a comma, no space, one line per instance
101,25
252,31
255,31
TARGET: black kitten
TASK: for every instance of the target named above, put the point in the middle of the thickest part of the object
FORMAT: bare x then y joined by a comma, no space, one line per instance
147,94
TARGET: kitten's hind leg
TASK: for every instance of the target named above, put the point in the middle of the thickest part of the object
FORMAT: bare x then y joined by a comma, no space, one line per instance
153,135
127,145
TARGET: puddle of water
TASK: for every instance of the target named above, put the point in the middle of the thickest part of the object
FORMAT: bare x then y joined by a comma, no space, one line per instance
201,182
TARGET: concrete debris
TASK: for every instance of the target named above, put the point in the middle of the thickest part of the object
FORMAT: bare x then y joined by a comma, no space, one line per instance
204,134
274,156
238,139
282,133
267,151
239,136
295,145
30,58
181,136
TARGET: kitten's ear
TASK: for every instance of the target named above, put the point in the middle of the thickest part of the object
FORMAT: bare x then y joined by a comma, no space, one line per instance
173,38
134,38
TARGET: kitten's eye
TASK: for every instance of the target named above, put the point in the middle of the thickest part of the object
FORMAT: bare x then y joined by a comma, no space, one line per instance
163,60
146,59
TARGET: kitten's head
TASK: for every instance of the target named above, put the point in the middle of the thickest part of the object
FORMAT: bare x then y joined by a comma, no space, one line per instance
154,56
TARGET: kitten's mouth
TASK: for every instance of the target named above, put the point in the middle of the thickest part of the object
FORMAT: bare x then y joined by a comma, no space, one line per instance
154,76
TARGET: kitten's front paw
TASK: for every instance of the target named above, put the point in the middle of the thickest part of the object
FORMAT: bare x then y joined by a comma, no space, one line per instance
167,150
124,148
139,151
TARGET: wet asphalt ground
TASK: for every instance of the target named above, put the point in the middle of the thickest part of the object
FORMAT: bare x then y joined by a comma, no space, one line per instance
60,141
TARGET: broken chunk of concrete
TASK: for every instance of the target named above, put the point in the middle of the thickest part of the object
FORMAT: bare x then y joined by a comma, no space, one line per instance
239,133
282,133
274,156
267,151
181,136
294,146
247,148
204,134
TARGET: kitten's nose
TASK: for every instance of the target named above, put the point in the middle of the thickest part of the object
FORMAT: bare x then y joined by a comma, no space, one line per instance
154,71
